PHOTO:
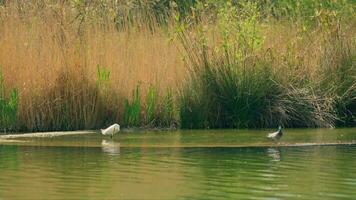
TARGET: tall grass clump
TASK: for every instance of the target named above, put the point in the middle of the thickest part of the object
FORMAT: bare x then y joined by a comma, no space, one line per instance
103,79
73,102
233,83
132,110
160,110
8,107
339,75
168,114
60,85
151,106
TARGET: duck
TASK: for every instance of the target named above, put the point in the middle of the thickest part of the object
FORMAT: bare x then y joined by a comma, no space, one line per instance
111,130
276,135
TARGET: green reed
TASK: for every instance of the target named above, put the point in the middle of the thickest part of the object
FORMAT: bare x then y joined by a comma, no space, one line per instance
8,107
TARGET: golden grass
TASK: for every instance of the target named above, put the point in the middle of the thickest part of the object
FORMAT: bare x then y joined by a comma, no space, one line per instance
38,48
51,57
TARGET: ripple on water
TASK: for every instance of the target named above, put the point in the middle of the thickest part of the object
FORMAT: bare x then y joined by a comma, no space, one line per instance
312,172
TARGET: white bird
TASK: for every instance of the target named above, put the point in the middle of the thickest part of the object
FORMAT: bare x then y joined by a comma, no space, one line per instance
111,130
276,135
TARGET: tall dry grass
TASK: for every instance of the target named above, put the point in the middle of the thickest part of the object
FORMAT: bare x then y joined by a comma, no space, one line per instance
51,50
52,58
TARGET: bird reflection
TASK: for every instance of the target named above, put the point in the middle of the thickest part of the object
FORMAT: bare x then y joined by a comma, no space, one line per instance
274,153
110,147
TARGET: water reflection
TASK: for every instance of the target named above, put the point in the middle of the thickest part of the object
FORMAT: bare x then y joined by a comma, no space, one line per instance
274,153
110,147
168,165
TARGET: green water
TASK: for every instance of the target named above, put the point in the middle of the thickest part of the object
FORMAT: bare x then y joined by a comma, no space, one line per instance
305,164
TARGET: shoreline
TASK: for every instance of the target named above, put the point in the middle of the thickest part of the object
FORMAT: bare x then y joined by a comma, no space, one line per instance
48,134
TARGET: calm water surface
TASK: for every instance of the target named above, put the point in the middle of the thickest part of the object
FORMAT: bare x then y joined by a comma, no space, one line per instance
182,165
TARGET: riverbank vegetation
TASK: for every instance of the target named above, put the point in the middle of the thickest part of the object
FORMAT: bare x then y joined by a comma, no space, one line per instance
72,65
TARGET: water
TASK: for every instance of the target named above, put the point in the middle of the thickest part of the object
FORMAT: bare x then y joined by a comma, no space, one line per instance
305,164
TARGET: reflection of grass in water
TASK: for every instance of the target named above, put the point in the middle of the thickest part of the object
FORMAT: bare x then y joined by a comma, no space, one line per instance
215,172
9,158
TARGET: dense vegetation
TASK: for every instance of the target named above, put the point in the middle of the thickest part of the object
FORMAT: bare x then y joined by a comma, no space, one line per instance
162,63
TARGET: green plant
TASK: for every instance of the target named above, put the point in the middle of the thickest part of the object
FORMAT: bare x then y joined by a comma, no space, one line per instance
151,106
132,111
8,107
160,112
168,110
103,79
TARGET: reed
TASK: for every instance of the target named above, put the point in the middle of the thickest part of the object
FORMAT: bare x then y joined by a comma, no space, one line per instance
59,58
339,76
8,107
132,114
193,64
168,112
151,106
236,82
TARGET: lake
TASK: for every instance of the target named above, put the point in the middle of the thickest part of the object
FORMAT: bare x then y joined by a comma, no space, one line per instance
203,164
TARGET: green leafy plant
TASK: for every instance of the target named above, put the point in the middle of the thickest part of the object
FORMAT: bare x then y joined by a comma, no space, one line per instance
8,107
168,110
103,79
132,110
151,106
